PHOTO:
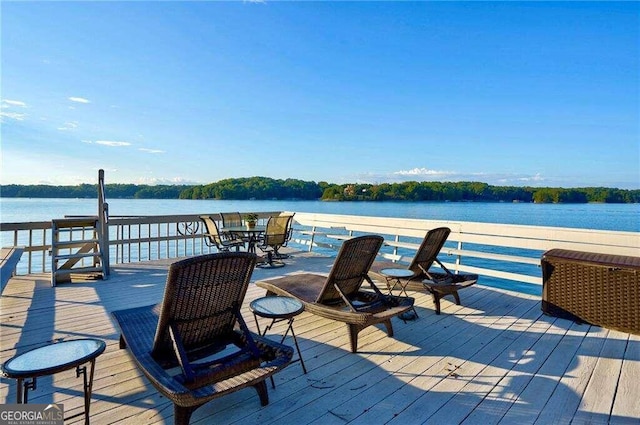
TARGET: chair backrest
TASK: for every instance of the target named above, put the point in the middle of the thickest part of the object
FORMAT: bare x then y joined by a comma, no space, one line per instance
289,225
202,300
213,234
350,268
275,233
429,249
230,219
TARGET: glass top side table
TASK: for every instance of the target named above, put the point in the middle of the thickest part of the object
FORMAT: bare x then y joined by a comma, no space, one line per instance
54,358
400,278
278,309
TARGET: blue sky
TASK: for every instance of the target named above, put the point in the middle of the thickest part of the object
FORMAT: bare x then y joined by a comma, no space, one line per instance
507,93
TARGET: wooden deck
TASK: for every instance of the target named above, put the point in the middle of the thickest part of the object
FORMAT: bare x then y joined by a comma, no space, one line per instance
495,359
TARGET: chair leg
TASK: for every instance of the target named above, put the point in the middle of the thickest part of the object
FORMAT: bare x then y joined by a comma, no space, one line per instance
436,301
279,255
182,415
353,337
389,326
123,343
261,388
270,262
456,296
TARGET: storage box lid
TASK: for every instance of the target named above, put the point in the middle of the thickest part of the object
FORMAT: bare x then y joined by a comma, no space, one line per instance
610,260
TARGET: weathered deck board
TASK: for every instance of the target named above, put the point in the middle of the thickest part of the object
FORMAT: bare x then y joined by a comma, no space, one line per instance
494,359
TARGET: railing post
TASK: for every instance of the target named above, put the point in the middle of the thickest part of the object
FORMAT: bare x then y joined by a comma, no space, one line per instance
459,256
103,218
313,234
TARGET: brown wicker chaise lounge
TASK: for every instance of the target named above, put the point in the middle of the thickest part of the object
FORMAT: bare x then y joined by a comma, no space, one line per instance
198,329
438,284
340,296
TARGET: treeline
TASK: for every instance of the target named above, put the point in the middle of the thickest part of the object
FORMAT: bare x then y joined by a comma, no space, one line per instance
256,188
128,191
475,191
261,188
267,188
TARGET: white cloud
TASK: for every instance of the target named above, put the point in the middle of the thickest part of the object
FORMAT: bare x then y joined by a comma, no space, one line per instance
69,126
536,178
151,150
427,175
164,181
12,115
417,172
7,103
79,100
111,143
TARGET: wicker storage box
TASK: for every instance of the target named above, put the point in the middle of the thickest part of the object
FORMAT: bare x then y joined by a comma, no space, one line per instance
599,289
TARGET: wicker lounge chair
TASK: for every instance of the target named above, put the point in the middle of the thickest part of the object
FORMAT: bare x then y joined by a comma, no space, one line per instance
340,296
215,239
199,331
438,284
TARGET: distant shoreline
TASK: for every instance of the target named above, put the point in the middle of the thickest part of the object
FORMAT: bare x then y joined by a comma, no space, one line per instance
264,188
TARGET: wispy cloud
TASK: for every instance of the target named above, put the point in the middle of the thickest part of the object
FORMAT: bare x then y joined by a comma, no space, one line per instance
422,172
79,99
112,143
69,126
536,178
12,115
151,150
165,181
7,110
7,103
429,175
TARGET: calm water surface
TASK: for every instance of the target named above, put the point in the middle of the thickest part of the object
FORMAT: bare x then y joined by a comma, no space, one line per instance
625,217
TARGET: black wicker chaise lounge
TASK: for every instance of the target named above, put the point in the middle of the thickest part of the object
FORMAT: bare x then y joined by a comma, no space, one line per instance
340,296
198,330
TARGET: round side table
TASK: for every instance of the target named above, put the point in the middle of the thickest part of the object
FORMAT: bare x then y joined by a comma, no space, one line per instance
400,277
278,309
54,358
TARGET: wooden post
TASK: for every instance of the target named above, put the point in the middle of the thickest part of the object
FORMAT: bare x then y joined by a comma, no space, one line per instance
103,218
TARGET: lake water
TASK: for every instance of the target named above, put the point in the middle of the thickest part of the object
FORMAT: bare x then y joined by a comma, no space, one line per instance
625,217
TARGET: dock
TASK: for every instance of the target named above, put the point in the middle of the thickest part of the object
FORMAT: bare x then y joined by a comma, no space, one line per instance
494,359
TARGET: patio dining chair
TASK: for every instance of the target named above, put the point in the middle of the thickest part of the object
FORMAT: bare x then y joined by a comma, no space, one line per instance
274,237
438,284
280,255
232,219
340,295
215,239
195,346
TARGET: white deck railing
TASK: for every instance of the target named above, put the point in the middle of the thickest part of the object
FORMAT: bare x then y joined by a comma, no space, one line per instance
502,251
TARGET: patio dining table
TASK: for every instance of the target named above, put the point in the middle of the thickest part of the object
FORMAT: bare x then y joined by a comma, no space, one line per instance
252,233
